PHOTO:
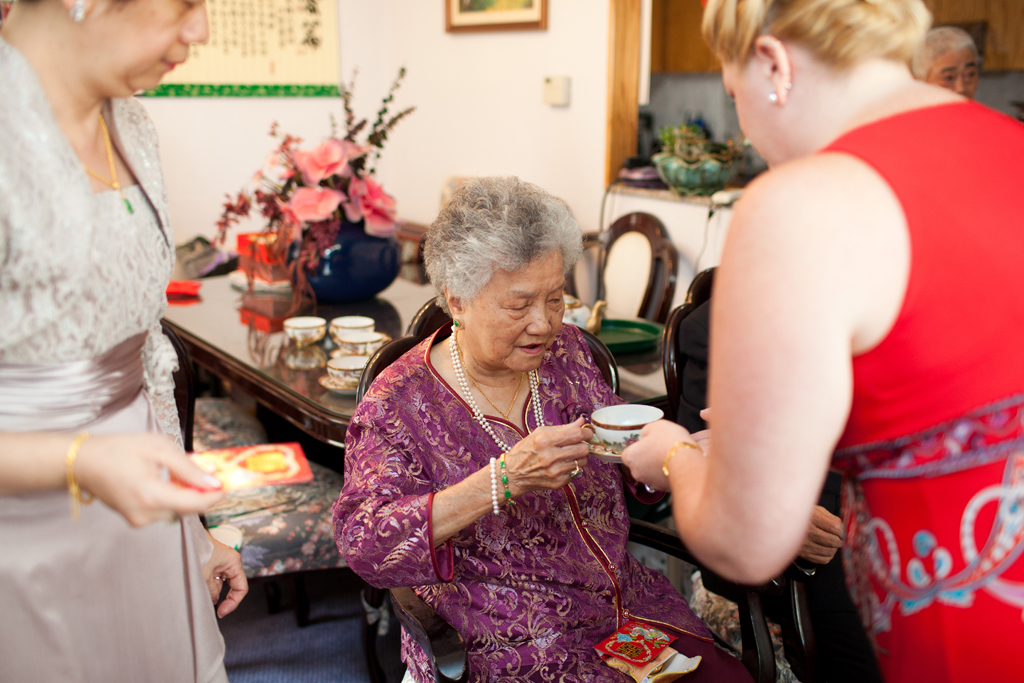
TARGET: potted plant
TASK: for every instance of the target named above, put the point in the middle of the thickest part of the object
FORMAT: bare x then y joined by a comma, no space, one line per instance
328,220
691,164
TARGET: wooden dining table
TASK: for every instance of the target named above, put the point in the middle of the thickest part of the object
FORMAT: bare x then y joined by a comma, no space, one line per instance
237,336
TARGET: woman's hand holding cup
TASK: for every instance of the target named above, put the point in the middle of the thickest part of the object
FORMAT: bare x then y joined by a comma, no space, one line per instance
646,457
547,458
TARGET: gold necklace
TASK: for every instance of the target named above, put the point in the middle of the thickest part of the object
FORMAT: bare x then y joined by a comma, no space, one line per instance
503,413
110,162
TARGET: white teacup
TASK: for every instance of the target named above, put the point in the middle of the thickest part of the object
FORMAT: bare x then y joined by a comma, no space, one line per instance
347,369
305,330
360,343
351,323
619,426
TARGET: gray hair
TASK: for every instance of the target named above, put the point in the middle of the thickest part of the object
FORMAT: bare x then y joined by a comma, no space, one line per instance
496,223
937,42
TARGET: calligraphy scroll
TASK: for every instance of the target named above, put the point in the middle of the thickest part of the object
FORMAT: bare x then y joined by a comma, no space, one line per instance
269,48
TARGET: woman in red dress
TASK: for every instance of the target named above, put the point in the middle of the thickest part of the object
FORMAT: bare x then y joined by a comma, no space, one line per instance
867,316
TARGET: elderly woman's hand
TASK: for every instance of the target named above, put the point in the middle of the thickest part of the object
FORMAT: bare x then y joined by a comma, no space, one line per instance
646,457
547,458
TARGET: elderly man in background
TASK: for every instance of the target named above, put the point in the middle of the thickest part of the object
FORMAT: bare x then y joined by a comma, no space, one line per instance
948,58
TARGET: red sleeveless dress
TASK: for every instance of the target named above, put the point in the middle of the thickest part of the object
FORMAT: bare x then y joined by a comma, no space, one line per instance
934,446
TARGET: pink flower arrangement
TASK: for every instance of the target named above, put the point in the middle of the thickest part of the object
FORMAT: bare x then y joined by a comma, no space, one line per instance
309,206
306,194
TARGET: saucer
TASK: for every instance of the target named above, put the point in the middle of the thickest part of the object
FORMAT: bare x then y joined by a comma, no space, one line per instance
338,388
602,452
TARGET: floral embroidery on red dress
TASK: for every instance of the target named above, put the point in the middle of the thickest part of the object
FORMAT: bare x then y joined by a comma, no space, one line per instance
935,567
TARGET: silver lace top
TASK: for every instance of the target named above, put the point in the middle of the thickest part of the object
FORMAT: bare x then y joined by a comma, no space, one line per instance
78,273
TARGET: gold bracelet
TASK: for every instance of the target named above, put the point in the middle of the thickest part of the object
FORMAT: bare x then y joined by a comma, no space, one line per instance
672,451
75,493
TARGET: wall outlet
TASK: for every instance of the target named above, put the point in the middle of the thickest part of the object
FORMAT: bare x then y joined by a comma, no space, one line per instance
556,90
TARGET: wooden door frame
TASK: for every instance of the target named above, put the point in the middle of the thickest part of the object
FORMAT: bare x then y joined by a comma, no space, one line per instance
623,84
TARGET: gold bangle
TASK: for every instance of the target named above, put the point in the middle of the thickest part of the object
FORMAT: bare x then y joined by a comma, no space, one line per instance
75,494
672,451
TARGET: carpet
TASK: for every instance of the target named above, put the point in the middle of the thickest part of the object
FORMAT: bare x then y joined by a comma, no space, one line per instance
271,648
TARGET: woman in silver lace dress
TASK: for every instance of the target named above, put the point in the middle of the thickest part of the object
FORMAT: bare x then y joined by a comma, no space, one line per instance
86,395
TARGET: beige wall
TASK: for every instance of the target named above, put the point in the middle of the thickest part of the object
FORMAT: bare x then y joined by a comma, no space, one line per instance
479,103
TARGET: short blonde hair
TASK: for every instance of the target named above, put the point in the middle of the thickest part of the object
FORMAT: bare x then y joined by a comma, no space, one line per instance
838,32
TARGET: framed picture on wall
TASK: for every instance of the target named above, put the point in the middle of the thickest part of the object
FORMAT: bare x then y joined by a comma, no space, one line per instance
495,15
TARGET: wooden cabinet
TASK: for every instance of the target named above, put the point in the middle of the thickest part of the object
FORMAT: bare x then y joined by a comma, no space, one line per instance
676,43
677,46
1004,43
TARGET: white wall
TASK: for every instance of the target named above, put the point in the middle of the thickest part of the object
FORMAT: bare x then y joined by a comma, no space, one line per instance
479,112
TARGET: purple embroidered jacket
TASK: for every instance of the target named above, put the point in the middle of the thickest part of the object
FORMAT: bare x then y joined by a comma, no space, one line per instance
531,590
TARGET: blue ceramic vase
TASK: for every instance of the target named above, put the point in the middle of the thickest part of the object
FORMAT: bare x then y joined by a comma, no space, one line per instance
357,266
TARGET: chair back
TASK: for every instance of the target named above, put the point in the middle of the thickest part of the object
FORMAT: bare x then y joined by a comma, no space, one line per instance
184,387
672,360
385,356
661,281
427,320
604,360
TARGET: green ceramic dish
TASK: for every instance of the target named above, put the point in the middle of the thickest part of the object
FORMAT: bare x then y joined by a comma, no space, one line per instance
701,177
629,336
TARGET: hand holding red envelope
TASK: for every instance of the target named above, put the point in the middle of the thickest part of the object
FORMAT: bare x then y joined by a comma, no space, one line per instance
265,464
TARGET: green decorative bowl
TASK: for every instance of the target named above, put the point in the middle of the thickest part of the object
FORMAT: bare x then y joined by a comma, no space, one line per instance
702,176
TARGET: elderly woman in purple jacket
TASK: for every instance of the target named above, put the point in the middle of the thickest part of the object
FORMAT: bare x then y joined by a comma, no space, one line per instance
467,473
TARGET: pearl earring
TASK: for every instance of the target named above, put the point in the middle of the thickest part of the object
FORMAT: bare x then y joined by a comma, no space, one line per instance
772,97
77,12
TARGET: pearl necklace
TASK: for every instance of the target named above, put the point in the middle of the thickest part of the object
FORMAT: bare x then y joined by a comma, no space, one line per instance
460,374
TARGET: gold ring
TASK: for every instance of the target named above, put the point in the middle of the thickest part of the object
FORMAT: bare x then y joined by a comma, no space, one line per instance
576,472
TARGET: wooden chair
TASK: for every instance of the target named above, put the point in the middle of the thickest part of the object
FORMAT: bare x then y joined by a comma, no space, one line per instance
429,318
672,361
661,283
184,387
446,649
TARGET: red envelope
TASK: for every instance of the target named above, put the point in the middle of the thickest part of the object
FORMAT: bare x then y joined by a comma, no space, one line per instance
182,288
636,643
266,464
